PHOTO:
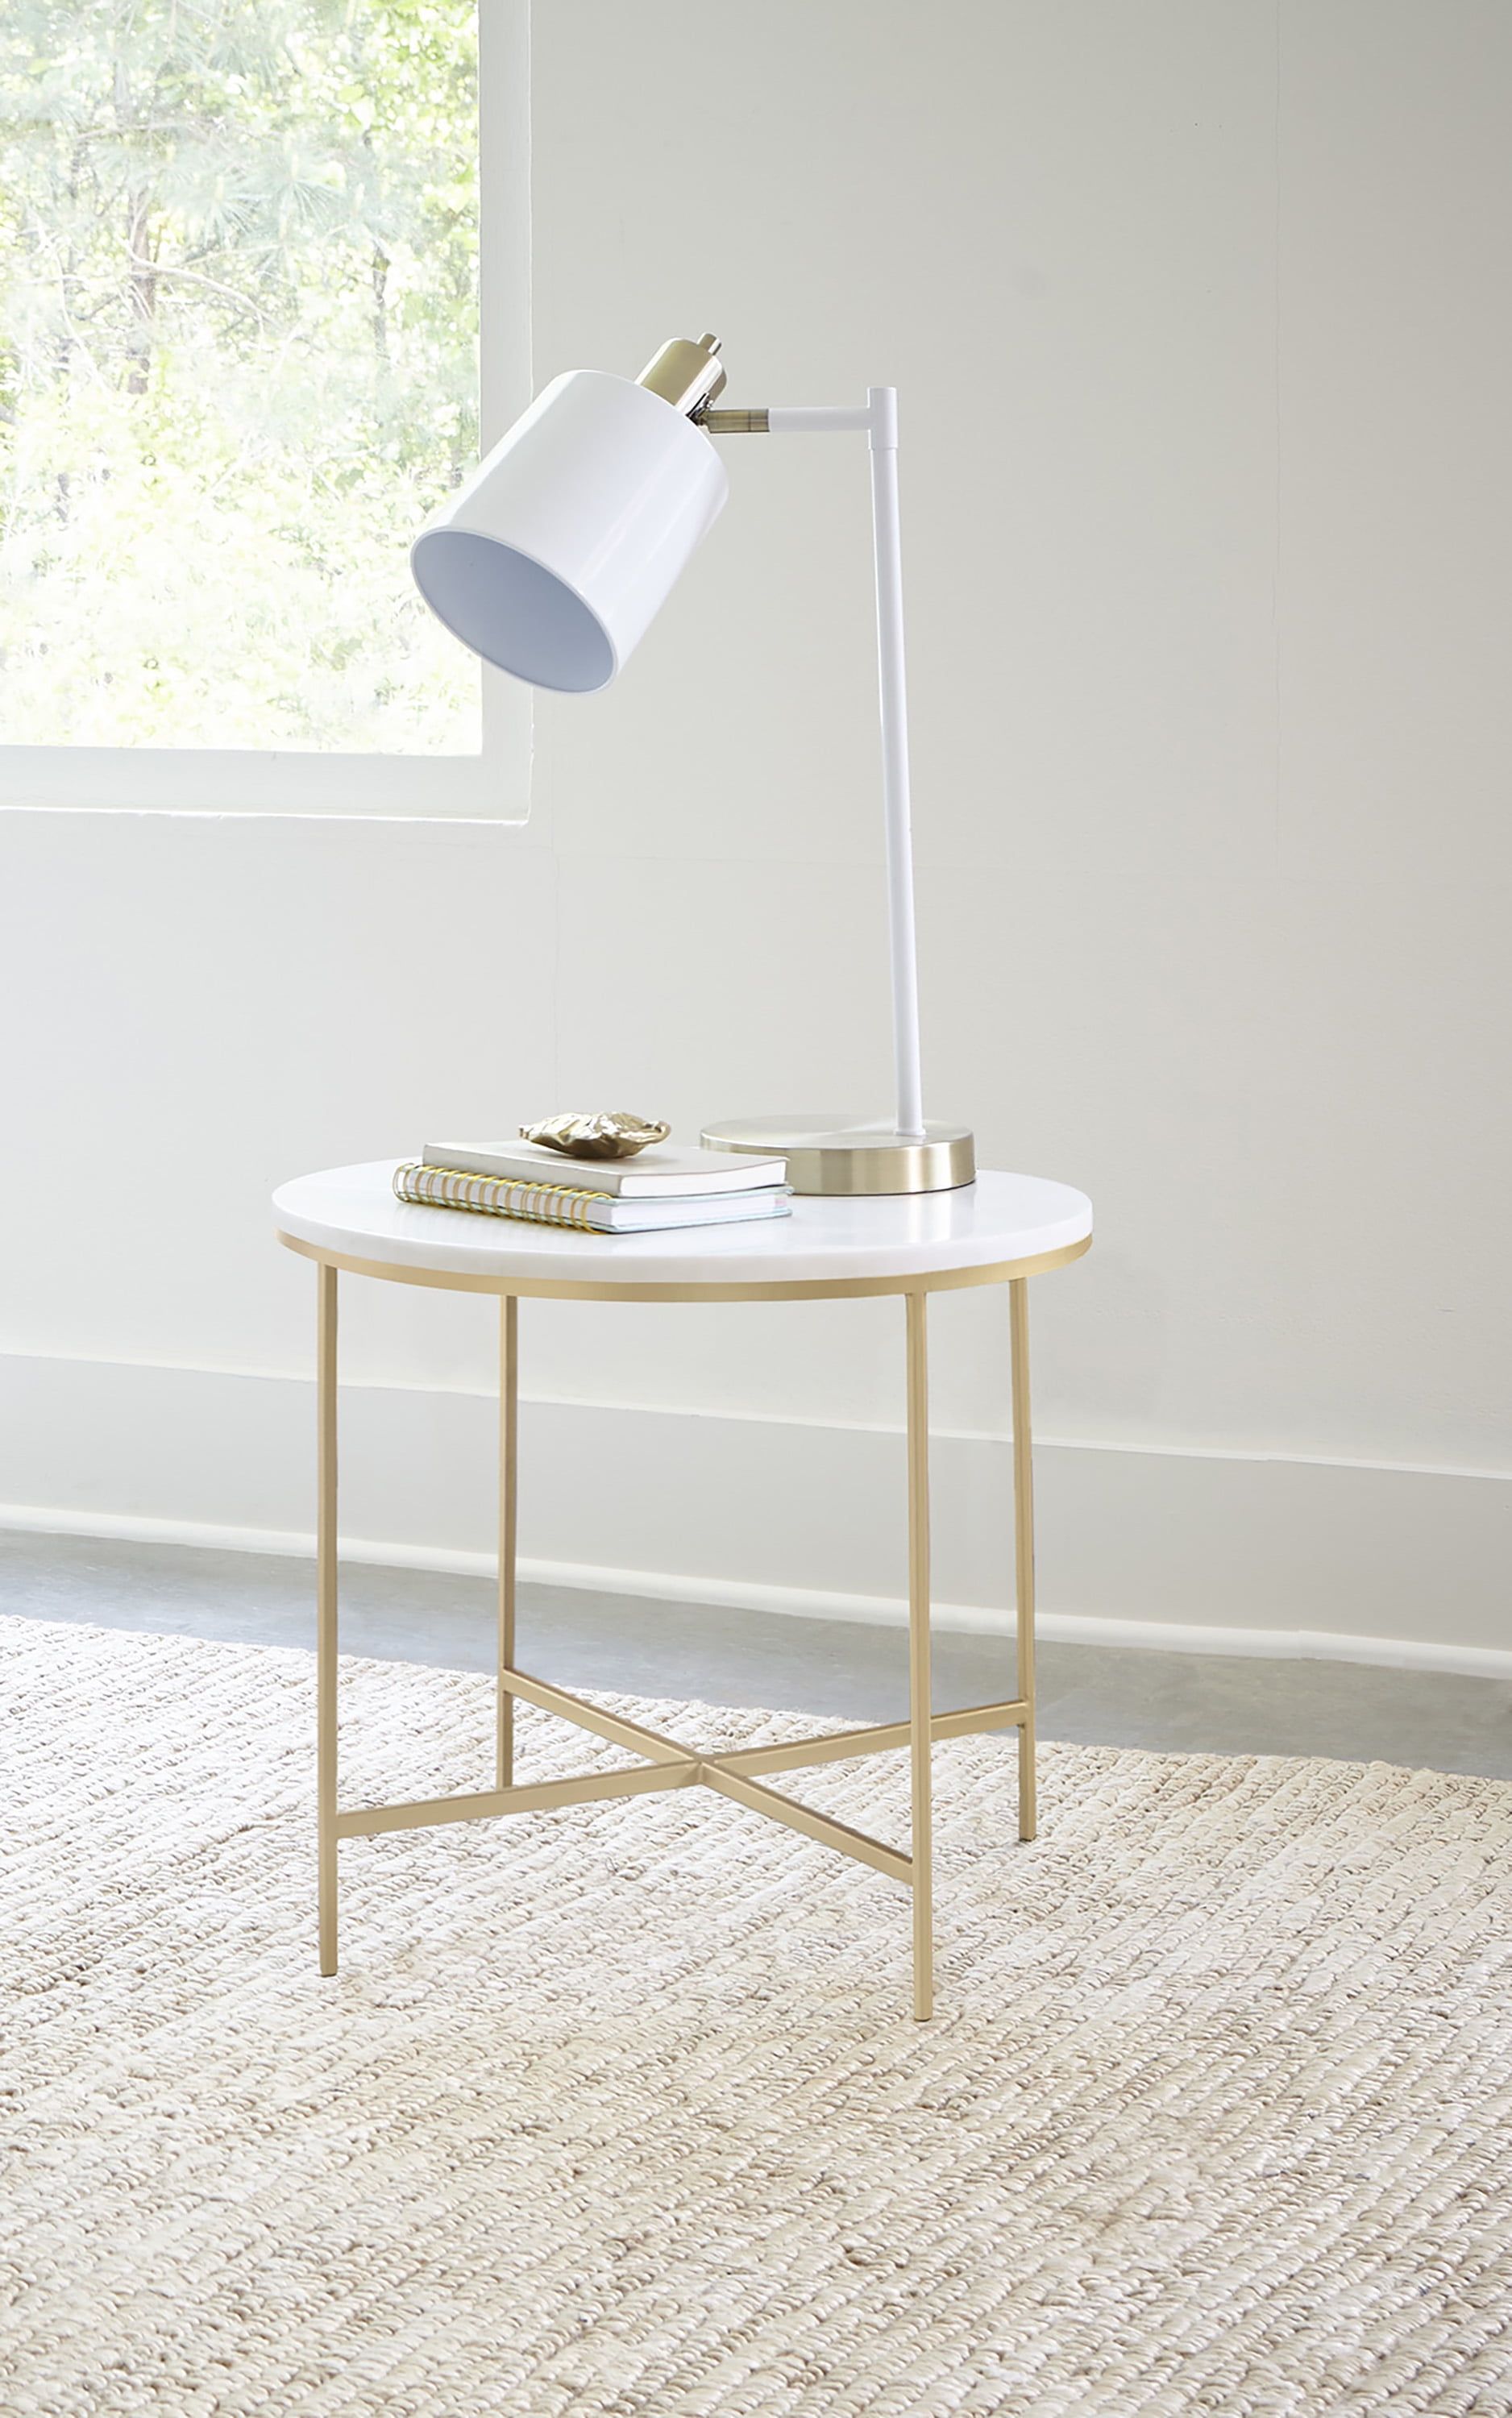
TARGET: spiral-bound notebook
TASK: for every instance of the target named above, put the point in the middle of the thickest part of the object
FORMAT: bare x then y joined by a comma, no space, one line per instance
565,1204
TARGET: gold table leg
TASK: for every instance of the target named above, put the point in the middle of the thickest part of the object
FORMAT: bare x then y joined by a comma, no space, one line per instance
509,1457
920,1727
672,1766
1023,1548
326,1664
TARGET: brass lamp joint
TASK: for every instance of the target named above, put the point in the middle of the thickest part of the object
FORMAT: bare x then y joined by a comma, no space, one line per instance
756,423
687,375
691,377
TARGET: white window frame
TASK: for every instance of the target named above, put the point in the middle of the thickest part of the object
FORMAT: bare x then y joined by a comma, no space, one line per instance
492,786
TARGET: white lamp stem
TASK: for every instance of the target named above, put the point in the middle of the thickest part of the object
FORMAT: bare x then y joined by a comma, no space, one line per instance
882,403
839,1156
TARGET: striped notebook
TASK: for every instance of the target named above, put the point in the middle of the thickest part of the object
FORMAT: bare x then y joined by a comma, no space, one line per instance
565,1204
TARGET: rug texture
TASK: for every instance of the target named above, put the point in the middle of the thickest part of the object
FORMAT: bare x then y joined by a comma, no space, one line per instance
619,2112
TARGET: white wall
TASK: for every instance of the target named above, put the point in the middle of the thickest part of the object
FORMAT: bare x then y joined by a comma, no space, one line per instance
1199,317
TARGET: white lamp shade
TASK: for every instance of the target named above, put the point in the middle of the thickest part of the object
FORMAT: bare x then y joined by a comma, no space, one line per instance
552,559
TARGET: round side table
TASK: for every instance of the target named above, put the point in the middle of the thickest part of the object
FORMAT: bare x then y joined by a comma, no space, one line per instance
1000,1229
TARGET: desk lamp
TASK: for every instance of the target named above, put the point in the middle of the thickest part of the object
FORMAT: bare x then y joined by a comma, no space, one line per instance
552,559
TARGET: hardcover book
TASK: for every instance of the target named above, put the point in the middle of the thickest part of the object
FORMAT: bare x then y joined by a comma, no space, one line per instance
651,1174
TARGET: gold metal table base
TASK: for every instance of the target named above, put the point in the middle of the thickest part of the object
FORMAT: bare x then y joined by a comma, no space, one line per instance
666,1764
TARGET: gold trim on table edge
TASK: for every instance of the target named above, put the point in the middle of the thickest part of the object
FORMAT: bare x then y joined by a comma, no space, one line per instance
764,1288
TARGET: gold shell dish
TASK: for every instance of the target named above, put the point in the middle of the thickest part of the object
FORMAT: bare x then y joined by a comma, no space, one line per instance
612,1133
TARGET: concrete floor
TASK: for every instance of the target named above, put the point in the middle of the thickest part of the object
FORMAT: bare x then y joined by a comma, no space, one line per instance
1101,1695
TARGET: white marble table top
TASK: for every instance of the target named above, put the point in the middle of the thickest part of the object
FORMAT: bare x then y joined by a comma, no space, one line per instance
350,1215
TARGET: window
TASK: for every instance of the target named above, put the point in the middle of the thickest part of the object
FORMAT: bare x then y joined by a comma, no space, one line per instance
240,274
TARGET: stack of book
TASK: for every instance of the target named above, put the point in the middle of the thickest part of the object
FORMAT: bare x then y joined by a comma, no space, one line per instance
663,1186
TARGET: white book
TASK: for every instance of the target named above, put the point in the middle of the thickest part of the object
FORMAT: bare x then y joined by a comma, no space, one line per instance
654,1174
559,1205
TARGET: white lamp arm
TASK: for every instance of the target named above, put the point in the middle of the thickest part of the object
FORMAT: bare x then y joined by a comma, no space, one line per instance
879,418
824,419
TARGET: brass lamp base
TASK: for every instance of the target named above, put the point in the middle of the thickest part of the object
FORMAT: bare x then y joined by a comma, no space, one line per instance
845,1155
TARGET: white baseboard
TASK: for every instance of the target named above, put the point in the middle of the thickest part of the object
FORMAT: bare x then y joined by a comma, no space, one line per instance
1189,1551
804,1604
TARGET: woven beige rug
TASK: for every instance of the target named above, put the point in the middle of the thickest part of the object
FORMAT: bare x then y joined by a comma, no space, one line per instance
618,2112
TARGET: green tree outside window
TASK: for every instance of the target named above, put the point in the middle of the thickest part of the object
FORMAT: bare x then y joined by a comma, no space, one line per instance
239,321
